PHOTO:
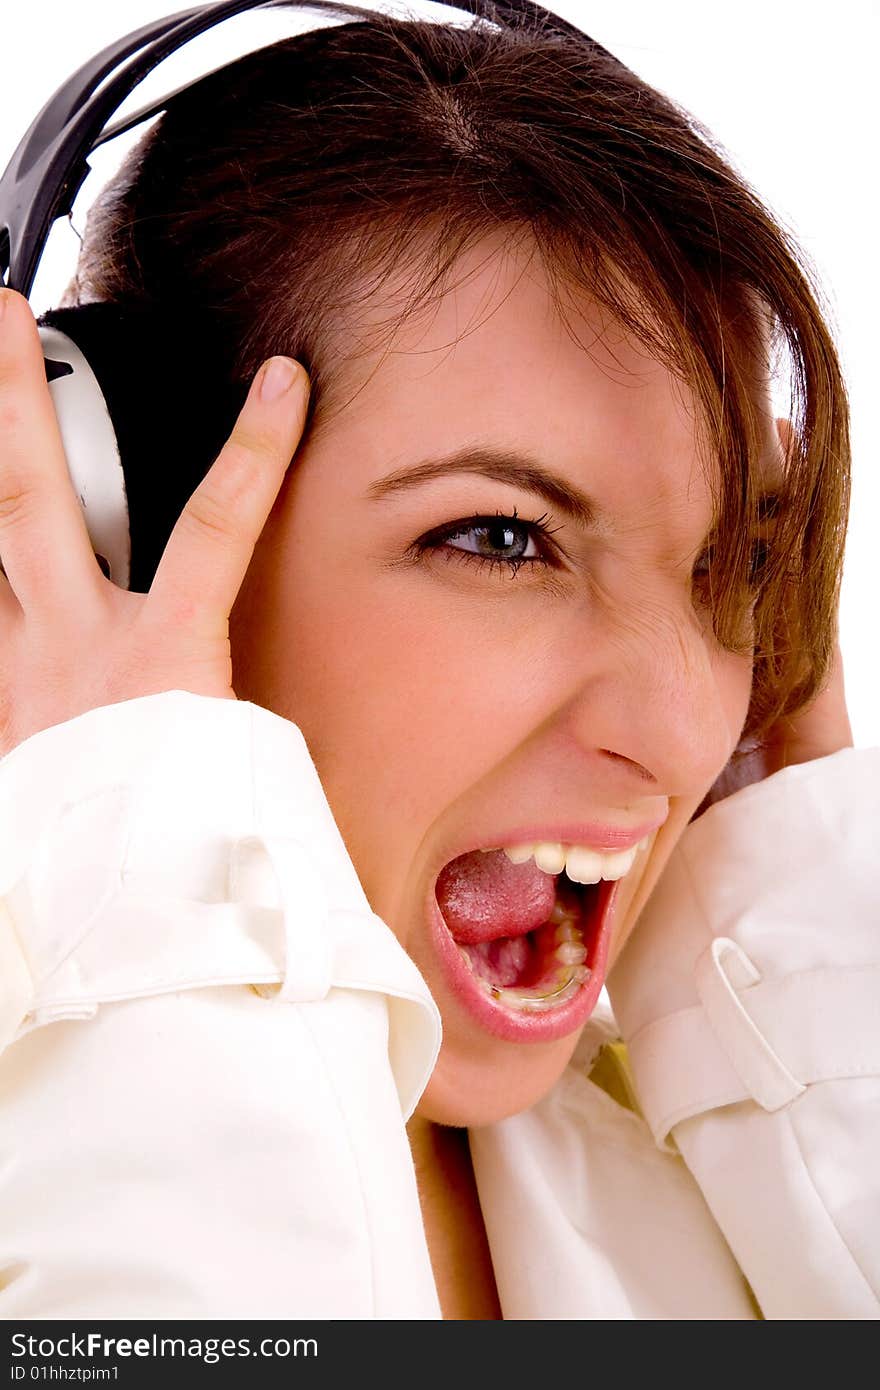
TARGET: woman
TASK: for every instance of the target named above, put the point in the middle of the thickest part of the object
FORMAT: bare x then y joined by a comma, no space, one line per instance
533,583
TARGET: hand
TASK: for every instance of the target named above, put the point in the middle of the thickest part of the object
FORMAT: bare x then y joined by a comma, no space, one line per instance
819,730
71,641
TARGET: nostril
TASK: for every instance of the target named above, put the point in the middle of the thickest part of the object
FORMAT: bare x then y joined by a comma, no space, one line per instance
643,772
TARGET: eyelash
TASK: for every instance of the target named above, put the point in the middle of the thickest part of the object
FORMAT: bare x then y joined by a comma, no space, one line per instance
534,530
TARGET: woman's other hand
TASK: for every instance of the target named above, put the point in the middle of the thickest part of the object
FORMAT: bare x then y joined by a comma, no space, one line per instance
819,730
71,640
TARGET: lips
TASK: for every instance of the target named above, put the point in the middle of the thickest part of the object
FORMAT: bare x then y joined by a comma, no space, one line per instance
512,1024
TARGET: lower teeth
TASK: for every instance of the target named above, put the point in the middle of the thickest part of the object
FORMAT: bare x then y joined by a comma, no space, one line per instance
571,974
539,1001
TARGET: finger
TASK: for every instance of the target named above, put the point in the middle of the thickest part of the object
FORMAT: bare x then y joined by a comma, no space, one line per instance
211,547
44,542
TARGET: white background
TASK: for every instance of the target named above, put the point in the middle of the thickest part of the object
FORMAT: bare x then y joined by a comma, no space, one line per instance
788,88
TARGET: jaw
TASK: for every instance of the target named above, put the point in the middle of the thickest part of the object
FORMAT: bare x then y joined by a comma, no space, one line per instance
481,1083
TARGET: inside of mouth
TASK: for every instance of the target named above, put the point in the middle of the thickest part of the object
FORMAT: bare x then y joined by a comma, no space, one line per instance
544,967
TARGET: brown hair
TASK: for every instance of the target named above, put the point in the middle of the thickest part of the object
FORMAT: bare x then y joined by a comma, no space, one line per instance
279,195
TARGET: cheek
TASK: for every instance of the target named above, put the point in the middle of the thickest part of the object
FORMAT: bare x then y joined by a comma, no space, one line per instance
395,695
735,676
393,687
734,683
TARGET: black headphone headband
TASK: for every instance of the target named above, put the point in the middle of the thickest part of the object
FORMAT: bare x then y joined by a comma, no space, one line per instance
50,165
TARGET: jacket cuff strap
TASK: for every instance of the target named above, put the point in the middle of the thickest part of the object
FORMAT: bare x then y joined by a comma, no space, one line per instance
747,1040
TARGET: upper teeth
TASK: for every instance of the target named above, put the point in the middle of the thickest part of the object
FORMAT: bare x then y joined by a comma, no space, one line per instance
582,864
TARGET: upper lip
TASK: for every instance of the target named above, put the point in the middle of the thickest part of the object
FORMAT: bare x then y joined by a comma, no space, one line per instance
593,836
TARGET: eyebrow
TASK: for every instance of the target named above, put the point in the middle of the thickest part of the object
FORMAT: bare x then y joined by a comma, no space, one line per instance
502,465
523,471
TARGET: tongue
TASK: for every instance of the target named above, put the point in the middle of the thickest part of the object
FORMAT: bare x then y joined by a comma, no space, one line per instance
484,896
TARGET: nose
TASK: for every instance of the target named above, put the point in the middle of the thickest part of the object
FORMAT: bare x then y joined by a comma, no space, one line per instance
659,701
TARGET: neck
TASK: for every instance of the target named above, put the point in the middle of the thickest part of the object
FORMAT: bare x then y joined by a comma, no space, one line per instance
453,1221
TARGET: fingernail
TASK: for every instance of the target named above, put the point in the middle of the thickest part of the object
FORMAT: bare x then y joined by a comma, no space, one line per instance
279,375
5,296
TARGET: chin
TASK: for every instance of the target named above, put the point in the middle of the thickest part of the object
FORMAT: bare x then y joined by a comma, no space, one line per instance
483,1085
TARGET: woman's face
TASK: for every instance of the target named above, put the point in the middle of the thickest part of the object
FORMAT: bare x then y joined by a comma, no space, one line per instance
451,703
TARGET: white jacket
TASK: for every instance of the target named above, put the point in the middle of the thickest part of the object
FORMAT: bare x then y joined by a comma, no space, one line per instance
211,1046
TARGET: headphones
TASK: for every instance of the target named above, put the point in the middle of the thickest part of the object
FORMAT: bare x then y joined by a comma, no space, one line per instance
118,376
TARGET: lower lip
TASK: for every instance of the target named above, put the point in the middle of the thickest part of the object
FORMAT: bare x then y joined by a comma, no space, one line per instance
522,1026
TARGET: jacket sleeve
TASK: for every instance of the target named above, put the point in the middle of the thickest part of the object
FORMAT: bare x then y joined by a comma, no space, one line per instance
203,1030
749,997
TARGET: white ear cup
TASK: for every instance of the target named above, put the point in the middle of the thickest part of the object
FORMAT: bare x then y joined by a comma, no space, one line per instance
92,453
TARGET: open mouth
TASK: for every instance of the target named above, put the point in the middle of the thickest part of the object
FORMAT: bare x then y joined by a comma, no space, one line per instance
547,964
524,950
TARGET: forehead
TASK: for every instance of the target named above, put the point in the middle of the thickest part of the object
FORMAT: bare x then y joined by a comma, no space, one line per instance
498,361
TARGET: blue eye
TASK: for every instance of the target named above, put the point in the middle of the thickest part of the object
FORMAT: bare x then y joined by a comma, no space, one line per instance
759,559
483,540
